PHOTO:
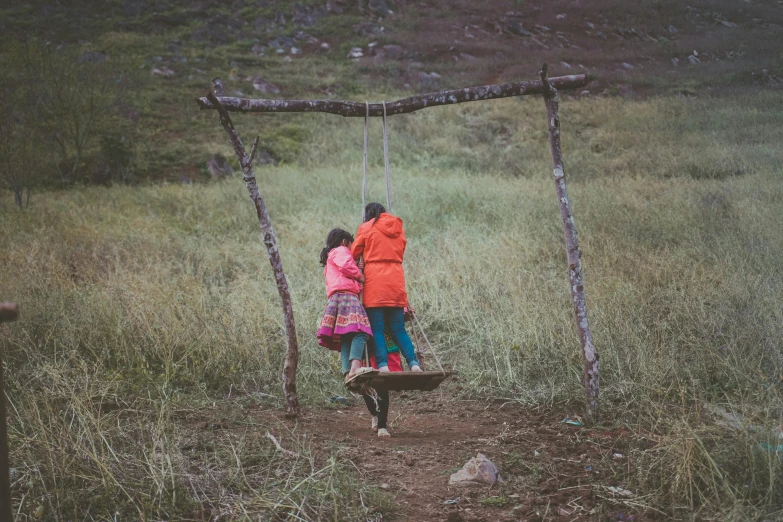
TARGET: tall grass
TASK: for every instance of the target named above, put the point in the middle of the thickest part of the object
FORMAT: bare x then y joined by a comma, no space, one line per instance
145,307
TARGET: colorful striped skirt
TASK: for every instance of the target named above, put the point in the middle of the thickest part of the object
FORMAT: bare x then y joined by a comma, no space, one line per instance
344,314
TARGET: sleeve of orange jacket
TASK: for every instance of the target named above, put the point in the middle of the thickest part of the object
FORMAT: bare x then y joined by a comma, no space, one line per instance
345,263
357,249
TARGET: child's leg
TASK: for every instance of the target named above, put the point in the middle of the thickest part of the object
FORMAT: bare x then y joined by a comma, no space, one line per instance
345,350
396,318
371,405
383,409
357,346
378,324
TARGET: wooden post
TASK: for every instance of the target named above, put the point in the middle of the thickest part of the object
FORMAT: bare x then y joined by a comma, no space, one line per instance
589,353
8,312
246,162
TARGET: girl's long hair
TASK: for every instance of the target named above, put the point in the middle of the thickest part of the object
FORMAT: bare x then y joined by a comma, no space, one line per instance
373,211
334,238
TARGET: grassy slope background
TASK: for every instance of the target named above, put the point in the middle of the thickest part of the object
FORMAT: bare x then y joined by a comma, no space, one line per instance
144,305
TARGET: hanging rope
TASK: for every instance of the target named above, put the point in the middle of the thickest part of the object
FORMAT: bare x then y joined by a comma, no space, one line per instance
386,162
364,179
432,350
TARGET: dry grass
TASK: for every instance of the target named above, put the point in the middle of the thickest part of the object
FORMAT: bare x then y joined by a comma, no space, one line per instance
142,305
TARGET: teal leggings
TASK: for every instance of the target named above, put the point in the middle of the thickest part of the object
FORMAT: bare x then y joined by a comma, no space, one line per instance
351,348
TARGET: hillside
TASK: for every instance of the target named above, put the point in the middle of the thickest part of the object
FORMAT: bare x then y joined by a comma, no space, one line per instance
167,52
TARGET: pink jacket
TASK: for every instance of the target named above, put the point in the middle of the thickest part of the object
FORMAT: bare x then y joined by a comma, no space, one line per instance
341,272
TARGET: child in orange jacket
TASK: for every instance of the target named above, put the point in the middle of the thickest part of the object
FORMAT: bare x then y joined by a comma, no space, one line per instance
381,242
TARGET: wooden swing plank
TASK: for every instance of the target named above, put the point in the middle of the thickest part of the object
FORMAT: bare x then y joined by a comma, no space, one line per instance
401,381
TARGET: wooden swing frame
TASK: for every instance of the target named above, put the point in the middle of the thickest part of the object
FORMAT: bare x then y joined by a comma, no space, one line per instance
546,86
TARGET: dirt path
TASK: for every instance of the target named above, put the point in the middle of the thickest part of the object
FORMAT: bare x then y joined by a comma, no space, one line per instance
551,470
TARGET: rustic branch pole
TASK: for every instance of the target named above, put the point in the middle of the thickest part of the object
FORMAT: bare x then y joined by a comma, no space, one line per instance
8,312
589,353
405,105
246,162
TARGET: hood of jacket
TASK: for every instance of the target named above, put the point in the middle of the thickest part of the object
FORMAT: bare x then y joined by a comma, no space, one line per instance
388,225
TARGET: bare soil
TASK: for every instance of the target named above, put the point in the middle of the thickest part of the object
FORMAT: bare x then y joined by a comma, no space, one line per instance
627,48
551,470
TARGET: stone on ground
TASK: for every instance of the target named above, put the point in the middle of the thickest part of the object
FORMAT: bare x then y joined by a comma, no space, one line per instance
477,471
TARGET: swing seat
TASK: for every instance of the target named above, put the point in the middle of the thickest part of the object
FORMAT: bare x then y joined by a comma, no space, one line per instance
399,381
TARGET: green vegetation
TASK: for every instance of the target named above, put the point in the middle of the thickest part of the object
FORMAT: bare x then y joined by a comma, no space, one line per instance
150,321
143,305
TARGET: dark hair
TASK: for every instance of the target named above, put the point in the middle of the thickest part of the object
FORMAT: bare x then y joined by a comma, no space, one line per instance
373,211
334,238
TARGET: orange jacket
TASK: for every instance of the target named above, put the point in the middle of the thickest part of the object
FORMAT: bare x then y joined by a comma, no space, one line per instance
382,242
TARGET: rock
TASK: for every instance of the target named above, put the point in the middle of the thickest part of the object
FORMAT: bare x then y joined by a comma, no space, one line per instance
390,52
91,57
627,65
694,59
174,47
728,24
296,50
385,486
355,52
515,27
455,516
672,29
367,29
282,42
566,65
583,93
379,8
162,71
264,86
279,18
218,167
132,7
467,57
408,460
325,46
308,16
210,32
560,17
675,61
477,471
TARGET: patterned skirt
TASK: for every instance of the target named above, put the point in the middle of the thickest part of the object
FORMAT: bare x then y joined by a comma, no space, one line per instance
344,314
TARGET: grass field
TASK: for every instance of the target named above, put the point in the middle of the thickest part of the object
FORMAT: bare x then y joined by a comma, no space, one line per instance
143,305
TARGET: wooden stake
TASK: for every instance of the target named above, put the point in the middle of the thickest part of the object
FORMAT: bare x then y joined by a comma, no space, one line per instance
246,162
405,105
589,353
8,312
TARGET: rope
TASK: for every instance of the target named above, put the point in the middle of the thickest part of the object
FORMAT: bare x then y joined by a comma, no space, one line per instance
364,179
429,345
386,162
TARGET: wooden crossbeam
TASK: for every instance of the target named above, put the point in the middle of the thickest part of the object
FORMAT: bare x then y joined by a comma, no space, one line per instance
403,106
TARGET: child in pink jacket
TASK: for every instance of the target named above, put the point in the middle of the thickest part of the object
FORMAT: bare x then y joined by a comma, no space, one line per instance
344,326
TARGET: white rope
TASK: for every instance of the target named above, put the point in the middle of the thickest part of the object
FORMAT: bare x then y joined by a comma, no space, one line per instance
364,179
429,345
386,162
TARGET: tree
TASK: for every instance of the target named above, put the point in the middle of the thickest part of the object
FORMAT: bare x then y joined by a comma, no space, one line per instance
18,160
72,99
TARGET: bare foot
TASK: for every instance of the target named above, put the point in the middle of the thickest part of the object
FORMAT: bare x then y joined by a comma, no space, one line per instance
415,368
375,424
384,369
383,433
